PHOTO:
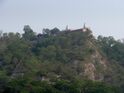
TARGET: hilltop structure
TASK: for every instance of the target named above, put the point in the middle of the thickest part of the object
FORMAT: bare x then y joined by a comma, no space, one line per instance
84,29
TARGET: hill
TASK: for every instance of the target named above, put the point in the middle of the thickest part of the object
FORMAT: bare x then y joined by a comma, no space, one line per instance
54,61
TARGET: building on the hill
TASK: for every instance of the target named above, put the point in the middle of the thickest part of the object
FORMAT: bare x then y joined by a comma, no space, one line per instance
84,29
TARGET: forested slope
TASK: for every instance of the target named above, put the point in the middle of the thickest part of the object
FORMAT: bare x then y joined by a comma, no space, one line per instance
55,61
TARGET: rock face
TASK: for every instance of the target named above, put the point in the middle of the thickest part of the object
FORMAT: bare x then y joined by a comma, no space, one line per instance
89,71
95,65
98,57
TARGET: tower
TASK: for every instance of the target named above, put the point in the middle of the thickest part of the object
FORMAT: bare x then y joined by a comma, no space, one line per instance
66,28
84,28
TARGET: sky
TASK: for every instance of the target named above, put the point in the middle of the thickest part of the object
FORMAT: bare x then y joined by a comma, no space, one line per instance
104,17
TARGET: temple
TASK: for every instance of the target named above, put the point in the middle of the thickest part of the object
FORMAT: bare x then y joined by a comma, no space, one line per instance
84,29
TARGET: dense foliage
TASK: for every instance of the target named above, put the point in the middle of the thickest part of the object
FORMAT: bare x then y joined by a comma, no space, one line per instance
45,63
113,49
60,86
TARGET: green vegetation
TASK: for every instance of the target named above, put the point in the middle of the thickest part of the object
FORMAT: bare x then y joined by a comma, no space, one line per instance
113,49
56,62
61,86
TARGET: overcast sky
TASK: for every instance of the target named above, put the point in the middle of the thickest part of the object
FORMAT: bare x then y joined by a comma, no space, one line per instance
104,17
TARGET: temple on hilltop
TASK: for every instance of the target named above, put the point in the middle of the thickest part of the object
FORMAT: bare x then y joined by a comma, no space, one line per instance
84,29
67,30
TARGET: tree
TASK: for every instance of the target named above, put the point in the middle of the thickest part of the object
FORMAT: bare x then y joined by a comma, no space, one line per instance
46,31
28,33
54,31
113,49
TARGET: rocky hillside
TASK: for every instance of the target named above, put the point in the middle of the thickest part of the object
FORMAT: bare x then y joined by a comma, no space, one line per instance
61,55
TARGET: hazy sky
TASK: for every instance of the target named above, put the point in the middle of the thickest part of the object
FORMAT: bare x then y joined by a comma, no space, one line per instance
104,17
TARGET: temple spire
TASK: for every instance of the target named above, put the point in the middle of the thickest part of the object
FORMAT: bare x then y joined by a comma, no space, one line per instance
84,26
67,27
